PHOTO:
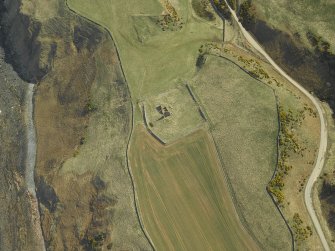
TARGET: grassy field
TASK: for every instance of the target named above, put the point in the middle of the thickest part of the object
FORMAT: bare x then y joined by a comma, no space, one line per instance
304,128
154,60
184,201
183,114
242,111
244,121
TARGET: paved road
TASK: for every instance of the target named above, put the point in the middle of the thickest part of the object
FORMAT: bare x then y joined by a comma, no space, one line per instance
323,133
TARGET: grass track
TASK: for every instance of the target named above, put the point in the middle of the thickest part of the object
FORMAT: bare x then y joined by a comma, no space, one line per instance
184,202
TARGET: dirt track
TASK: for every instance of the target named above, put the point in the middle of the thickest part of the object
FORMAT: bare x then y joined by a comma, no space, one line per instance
323,132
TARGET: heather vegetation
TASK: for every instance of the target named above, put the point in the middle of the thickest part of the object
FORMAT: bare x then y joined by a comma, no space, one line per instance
222,7
246,13
203,9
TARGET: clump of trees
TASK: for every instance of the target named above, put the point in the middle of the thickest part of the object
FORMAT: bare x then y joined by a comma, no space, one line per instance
168,22
300,232
276,186
171,20
210,48
287,138
288,143
257,71
201,60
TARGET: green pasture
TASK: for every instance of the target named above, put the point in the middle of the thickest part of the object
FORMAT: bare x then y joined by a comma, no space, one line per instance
243,117
183,197
153,60
183,114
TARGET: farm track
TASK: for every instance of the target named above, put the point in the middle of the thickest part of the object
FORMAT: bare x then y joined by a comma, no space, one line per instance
323,131
323,143
136,204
